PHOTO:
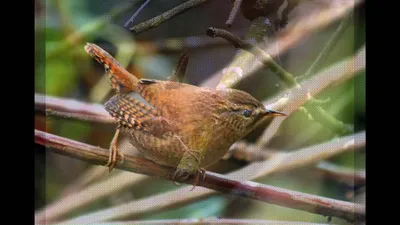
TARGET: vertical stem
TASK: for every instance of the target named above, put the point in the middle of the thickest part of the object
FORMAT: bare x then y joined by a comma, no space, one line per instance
329,46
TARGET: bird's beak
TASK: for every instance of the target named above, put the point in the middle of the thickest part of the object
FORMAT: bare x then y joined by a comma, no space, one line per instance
270,112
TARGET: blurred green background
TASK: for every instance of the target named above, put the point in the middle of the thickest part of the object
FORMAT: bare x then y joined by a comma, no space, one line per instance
63,69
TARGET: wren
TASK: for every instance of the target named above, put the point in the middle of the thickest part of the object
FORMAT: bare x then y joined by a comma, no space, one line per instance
182,126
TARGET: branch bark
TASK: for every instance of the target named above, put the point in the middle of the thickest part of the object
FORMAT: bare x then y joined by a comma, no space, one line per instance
234,12
274,195
253,171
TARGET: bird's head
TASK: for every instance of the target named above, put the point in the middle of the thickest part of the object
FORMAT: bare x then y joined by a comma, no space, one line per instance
242,112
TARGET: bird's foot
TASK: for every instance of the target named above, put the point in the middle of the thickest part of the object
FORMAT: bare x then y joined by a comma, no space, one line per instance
182,175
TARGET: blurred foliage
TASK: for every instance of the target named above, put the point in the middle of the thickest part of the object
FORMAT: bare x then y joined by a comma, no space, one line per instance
210,207
64,69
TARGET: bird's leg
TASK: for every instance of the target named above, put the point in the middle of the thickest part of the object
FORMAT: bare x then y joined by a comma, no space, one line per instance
188,164
112,159
194,153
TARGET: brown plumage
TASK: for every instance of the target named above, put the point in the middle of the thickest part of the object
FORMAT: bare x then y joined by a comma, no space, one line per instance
182,126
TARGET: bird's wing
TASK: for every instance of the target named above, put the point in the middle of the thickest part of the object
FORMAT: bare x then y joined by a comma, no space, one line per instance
133,114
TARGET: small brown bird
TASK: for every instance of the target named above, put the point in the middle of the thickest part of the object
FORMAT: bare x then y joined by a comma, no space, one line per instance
183,126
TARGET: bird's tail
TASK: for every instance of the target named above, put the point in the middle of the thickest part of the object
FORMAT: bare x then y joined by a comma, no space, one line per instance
120,78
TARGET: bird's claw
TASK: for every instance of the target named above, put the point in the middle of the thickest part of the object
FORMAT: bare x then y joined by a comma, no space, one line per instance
181,174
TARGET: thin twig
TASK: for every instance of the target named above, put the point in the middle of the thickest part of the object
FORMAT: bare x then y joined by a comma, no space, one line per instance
136,13
243,61
256,51
156,21
72,109
234,12
209,221
287,38
274,195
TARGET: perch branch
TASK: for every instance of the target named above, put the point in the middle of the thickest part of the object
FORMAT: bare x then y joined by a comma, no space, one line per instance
255,170
156,21
279,196
89,187
234,12
72,109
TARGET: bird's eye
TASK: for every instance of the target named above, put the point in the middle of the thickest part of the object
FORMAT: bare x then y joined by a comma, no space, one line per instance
247,113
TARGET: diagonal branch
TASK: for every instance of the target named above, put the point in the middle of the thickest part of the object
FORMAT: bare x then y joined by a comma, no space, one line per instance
342,174
136,13
293,34
234,12
291,101
253,153
156,21
256,51
274,195
317,111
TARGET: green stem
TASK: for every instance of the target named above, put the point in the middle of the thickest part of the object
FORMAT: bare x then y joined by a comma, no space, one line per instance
329,46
